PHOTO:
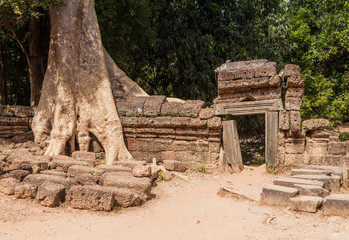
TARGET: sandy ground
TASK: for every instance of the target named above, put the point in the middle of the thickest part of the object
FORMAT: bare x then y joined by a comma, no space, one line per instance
180,210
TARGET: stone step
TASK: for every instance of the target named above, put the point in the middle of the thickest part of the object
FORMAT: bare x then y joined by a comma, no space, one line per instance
303,171
336,204
291,181
84,156
334,170
54,173
278,195
331,183
126,181
311,190
78,169
114,168
306,203
39,179
65,164
130,164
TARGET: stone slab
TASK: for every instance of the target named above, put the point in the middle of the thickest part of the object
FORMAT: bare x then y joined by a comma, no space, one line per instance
129,164
126,181
334,170
77,170
114,168
277,195
306,203
39,179
331,183
311,190
141,171
303,171
291,181
336,204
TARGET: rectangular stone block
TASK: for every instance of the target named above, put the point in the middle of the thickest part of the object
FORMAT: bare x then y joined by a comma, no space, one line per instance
297,92
295,81
77,170
277,195
291,69
316,148
311,190
266,71
152,106
295,121
303,171
191,108
293,103
335,160
214,123
284,120
50,194
306,203
171,109
198,123
280,156
336,204
295,146
242,85
296,159
337,148
206,113
274,81
318,134
338,171
131,107
291,181
331,183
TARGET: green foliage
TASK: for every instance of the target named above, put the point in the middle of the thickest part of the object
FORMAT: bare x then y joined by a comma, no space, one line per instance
90,171
160,177
202,169
343,137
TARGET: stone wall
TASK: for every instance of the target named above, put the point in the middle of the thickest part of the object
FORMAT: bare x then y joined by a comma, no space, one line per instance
153,128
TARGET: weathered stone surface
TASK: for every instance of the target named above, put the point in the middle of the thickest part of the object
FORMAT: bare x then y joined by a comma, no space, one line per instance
293,103
295,121
50,194
65,164
54,173
334,170
291,181
303,171
84,156
331,183
294,81
171,109
91,198
214,123
291,69
114,168
198,123
297,92
284,120
319,134
167,176
39,179
334,160
242,85
316,148
8,185
295,145
152,106
206,113
337,148
25,191
277,195
131,107
306,203
126,181
172,165
251,95
87,179
18,174
296,159
191,108
311,190
141,171
77,169
127,198
336,204
315,124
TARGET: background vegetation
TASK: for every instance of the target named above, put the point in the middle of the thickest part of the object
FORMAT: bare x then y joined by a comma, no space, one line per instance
172,47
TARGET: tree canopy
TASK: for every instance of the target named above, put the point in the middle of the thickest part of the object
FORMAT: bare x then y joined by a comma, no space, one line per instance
172,47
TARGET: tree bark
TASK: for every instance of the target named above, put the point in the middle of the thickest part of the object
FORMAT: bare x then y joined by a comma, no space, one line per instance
35,62
77,98
3,87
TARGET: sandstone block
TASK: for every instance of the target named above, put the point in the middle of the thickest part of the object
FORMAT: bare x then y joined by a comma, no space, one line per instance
141,171
8,185
191,108
297,92
25,191
293,103
315,124
129,164
311,190
87,179
331,183
167,176
126,181
198,123
18,174
316,148
291,181
335,160
292,69
131,107
277,195
172,165
91,198
337,148
334,170
152,106
77,169
336,204
50,194
295,146
171,109
274,81
284,120
128,198
206,113
303,171
295,121
319,134
294,81
38,179
114,168
306,203
267,71
214,123
54,173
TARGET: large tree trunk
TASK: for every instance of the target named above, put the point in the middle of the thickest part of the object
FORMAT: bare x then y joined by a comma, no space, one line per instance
3,89
36,67
76,97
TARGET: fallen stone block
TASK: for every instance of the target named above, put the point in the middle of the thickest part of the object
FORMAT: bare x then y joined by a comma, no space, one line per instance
39,179
91,198
311,190
278,195
130,164
18,174
87,179
291,181
25,191
126,181
114,168
77,169
54,173
65,164
85,157
8,185
50,194
306,203
167,176
336,204
172,165
141,171
303,171
334,170
331,183
127,197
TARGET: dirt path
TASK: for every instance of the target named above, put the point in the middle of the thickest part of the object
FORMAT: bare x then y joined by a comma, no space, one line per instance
180,210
